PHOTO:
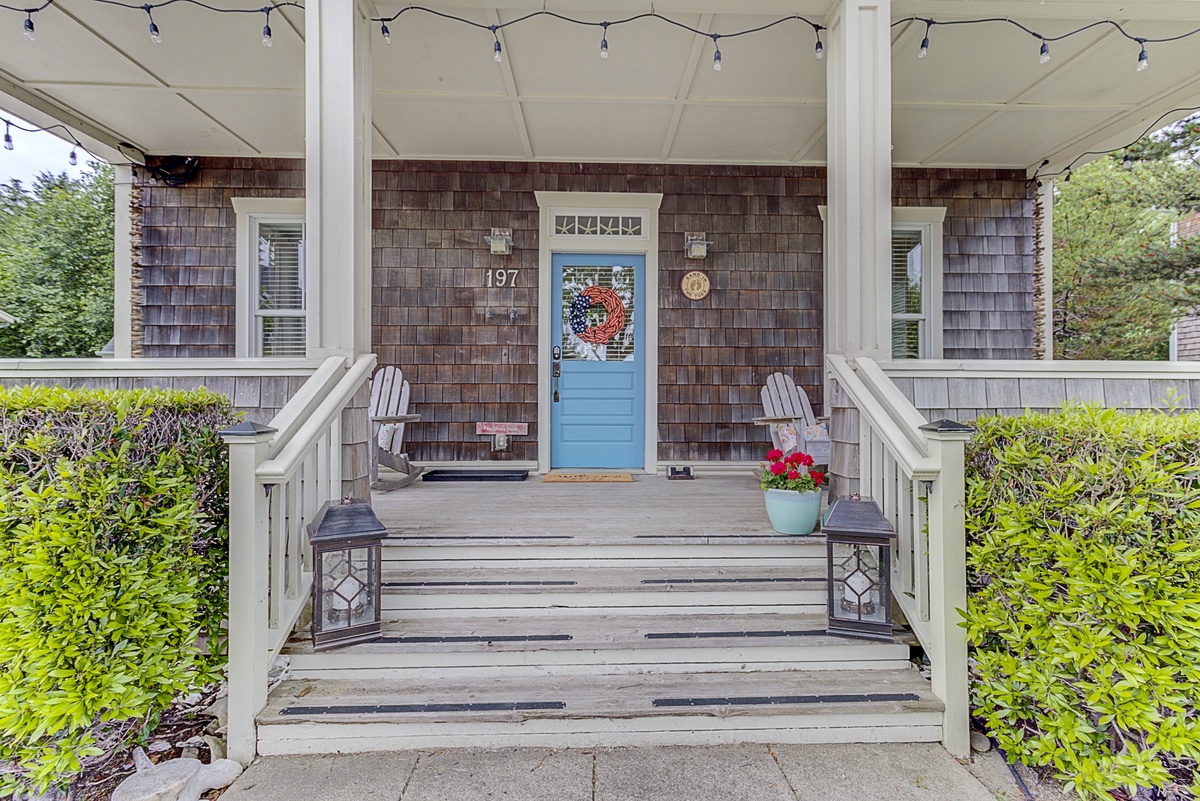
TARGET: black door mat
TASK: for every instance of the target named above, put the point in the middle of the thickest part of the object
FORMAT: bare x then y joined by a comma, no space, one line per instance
475,475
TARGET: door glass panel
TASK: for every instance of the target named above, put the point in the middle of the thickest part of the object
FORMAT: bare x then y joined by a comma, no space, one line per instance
907,281
598,313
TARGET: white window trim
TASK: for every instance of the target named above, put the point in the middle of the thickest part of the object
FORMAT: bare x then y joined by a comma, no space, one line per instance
928,220
628,203
249,210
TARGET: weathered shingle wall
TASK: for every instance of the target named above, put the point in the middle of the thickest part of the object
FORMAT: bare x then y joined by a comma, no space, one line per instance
188,253
430,299
987,281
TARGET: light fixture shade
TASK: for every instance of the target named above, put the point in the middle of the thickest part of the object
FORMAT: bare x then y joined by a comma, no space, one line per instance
500,242
858,547
347,553
695,246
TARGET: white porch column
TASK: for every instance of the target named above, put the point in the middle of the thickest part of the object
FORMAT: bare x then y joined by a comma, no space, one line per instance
1046,191
338,177
122,262
858,238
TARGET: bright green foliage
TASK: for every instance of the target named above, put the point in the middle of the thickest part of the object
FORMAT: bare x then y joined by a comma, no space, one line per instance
1084,571
56,264
113,549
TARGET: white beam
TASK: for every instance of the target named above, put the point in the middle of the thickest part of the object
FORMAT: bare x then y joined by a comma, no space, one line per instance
338,178
858,238
122,262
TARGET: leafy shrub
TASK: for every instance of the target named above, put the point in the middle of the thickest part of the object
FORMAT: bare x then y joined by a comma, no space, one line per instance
113,543
1084,616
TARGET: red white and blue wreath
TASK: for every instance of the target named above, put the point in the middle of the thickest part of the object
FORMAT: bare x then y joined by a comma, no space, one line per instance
614,308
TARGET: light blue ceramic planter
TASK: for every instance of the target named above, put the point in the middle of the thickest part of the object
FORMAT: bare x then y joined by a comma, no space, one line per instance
793,512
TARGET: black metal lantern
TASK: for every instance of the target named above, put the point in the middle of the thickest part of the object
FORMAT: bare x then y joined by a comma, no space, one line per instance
858,548
347,545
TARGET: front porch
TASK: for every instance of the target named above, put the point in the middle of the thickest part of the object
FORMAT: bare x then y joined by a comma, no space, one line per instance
657,612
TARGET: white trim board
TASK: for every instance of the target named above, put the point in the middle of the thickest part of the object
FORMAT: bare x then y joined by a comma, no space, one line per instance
266,209
646,245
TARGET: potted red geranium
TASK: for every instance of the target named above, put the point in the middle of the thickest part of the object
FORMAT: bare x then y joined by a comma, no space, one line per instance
792,491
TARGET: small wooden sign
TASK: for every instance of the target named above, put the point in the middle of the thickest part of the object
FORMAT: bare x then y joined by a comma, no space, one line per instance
695,285
509,429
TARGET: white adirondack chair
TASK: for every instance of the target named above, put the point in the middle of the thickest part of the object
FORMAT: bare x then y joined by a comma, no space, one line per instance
789,417
389,414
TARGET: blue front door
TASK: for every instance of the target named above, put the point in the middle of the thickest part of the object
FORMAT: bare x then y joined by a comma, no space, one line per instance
598,401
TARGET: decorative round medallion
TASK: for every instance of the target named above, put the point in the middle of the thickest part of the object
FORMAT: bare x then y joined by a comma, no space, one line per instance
614,308
695,285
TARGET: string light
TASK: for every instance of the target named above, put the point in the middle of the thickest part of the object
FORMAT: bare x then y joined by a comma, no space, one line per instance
29,32
716,53
819,52
1045,52
73,159
266,40
1143,57
924,51
154,34
387,35
604,41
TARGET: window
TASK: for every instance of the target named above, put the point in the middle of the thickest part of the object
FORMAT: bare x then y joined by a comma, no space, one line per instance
272,316
916,277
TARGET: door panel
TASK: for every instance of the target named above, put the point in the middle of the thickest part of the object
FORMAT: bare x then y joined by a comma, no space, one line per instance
598,403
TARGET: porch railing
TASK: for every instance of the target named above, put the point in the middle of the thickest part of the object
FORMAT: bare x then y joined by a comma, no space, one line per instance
915,472
279,477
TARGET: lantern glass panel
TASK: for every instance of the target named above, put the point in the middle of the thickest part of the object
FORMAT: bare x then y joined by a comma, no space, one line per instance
347,582
857,584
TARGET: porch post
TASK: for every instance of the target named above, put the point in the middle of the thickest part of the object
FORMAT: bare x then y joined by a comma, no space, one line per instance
858,238
1046,312
122,262
338,177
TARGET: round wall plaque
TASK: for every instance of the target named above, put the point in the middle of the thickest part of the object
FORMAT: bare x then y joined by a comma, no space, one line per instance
695,285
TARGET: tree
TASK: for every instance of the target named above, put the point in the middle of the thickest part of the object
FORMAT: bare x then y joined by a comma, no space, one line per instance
56,264
1120,281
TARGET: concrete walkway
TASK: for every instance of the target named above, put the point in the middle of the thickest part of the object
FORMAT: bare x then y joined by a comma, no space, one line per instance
677,773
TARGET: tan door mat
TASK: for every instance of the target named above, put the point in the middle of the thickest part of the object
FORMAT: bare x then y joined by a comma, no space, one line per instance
587,478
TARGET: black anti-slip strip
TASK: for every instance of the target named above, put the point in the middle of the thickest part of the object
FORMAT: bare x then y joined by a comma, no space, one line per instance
705,635
778,700
478,583
406,537
400,709
477,638
749,580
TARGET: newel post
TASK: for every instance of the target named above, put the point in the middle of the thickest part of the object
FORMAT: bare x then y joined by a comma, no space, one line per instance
248,555
948,579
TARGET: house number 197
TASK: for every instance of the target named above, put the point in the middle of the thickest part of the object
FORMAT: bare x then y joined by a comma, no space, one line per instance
501,277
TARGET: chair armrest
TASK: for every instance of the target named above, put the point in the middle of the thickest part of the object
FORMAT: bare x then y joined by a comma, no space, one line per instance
396,418
766,421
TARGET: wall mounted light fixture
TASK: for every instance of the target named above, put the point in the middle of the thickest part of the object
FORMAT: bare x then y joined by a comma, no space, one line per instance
500,241
695,246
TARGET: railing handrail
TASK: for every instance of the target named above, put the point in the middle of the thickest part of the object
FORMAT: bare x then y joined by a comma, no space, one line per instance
897,438
287,459
301,406
898,406
970,368
200,367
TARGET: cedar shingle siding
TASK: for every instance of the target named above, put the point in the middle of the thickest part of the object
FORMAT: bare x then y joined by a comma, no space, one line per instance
430,301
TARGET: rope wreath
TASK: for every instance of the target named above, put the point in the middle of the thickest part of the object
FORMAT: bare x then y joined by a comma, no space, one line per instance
614,308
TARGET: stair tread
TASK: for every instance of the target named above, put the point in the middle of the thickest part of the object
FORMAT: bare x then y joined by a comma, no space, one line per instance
534,579
505,699
610,632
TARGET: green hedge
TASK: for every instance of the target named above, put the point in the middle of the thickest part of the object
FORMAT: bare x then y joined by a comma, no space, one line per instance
113,544
1084,616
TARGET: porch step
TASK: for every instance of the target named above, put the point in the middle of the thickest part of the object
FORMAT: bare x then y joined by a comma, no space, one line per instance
609,710
566,644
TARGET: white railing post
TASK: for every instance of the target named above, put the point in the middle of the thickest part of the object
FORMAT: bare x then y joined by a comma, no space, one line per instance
248,554
948,580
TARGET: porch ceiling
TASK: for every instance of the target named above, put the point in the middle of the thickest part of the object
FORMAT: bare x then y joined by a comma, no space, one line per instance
979,99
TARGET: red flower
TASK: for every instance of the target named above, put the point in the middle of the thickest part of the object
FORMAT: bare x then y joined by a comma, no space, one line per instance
806,460
817,476
778,468
792,474
774,454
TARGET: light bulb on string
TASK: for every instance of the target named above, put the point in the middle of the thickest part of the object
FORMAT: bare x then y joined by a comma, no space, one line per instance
266,39
819,50
496,49
924,51
73,159
1143,58
604,41
29,32
387,35
1044,57
8,142
1127,162
716,53
155,36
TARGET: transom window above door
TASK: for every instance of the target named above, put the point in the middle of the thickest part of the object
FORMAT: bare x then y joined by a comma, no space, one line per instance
600,224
